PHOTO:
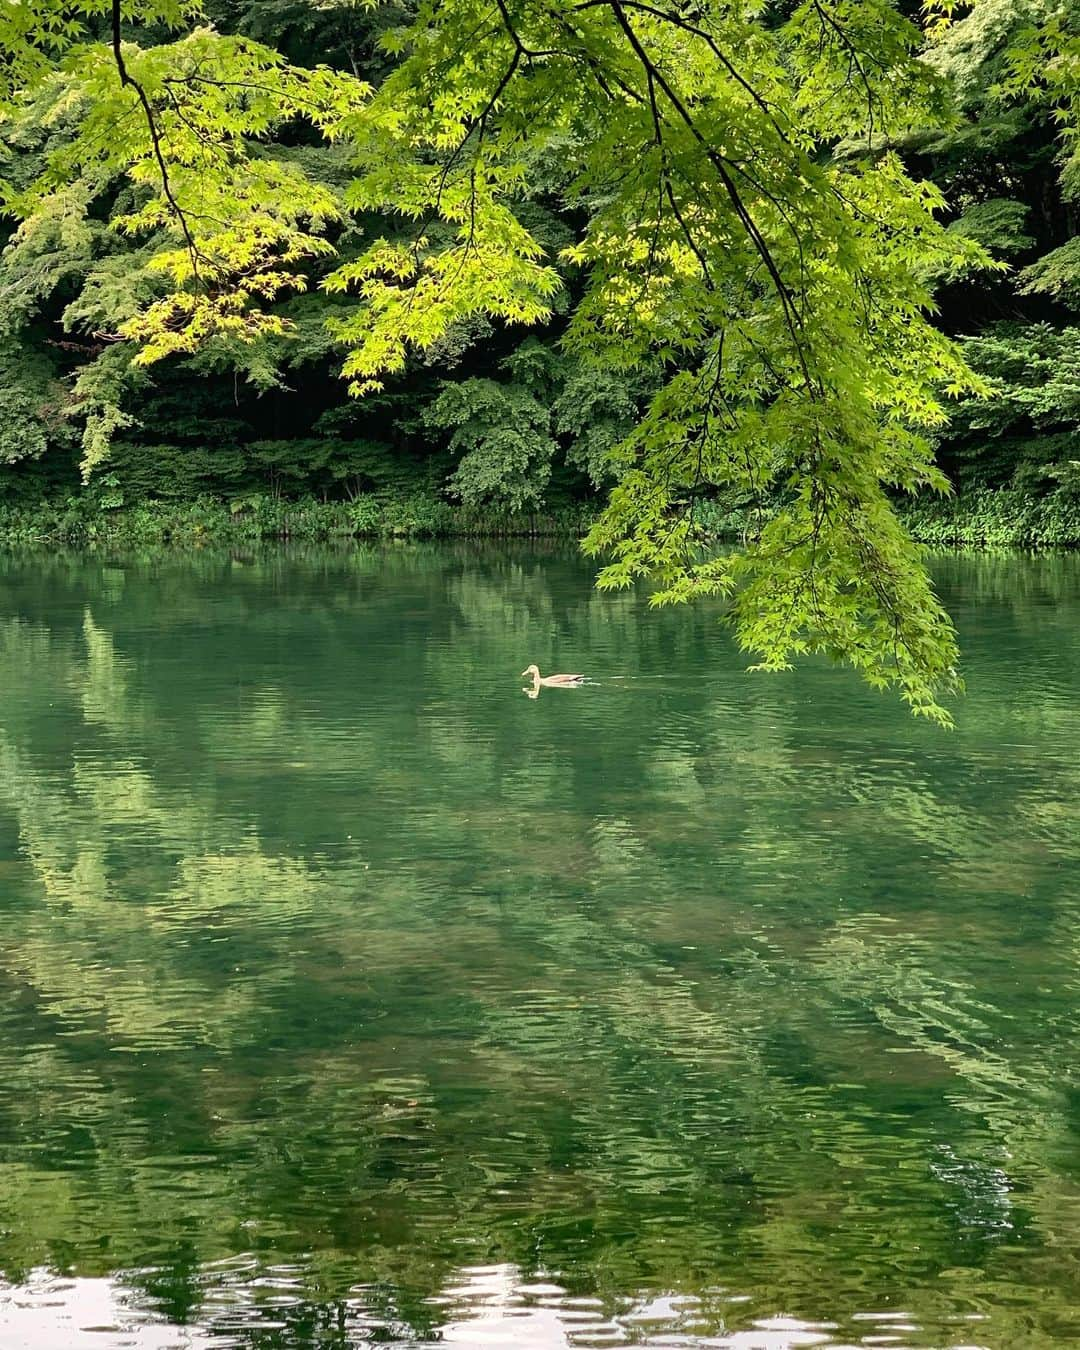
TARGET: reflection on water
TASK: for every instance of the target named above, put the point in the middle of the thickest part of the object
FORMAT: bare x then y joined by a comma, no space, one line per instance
494,1307
347,998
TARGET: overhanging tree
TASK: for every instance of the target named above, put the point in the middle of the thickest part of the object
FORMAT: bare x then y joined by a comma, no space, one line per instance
747,241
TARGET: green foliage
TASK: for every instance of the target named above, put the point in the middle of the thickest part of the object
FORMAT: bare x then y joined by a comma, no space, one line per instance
1033,379
594,411
997,224
245,221
1000,518
1023,434
103,516
31,399
1011,448
282,469
502,434
1056,274
507,434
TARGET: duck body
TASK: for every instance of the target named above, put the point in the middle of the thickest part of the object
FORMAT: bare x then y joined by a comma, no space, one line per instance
551,681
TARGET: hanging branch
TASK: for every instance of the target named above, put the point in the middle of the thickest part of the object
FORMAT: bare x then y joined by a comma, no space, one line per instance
128,81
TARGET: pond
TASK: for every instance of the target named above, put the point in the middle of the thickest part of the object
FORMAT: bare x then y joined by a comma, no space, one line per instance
350,998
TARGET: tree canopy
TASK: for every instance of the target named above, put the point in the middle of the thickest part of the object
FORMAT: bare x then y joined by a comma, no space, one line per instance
714,207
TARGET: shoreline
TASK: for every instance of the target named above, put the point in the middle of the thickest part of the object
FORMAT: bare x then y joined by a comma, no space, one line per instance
983,521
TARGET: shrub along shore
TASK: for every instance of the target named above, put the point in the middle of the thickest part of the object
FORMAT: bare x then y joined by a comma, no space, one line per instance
988,519
81,521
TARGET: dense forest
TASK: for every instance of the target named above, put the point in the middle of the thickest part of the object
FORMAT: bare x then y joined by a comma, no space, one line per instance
496,419
491,418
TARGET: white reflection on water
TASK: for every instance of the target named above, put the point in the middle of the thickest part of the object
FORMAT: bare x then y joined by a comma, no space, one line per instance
483,1308
52,1312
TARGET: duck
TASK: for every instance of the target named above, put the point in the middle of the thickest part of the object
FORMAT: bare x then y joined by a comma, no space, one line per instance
551,681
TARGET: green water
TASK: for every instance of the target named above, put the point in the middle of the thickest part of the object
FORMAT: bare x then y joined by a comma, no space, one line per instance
349,998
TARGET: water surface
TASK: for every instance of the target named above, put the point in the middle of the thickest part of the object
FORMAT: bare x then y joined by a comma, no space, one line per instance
349,998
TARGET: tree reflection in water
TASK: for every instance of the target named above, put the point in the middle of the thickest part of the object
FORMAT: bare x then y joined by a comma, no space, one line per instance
346,996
